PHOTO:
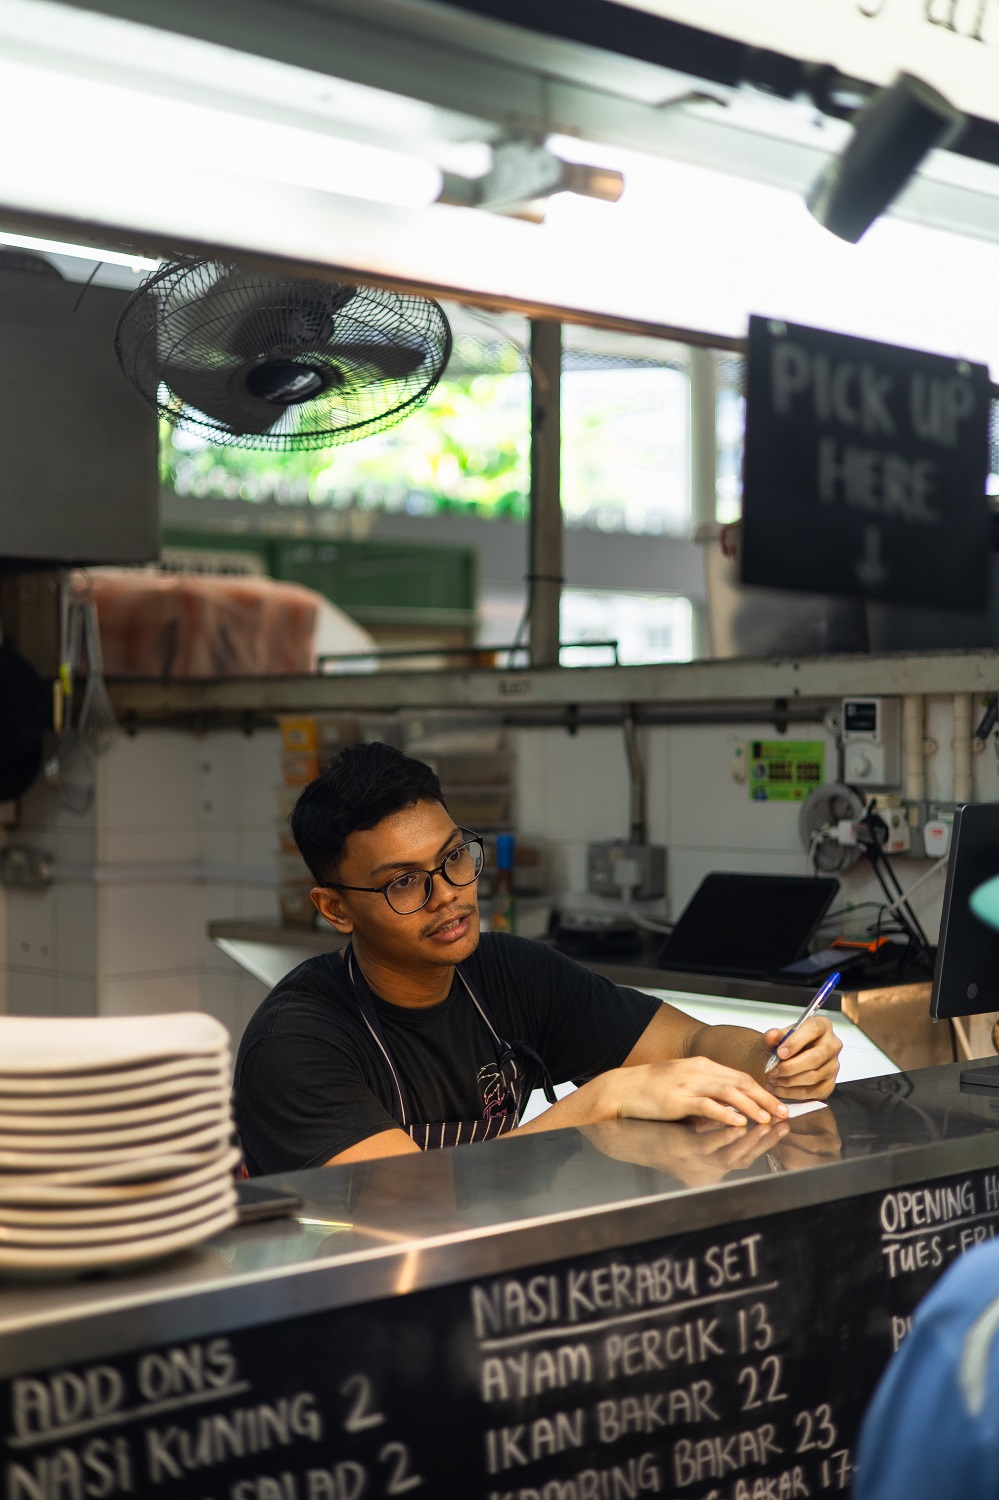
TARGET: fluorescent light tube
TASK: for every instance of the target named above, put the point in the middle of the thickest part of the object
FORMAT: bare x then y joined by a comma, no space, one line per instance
131,131
83,252
202,104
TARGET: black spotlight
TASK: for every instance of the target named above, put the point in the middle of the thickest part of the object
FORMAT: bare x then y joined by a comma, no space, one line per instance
892,134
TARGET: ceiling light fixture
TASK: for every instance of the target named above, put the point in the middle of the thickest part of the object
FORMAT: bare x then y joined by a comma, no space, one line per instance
524,176
892,135
82,252
91,114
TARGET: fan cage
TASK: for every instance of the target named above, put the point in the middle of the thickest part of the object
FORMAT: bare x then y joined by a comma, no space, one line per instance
191,333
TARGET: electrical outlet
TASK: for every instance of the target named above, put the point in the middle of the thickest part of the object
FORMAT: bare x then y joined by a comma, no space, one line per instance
936,838
930,825
615,866
899,832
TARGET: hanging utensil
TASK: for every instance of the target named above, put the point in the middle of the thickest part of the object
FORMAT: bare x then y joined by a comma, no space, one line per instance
70,769
97,721
62,686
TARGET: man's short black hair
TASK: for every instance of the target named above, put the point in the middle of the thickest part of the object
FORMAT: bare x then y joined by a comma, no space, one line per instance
361,785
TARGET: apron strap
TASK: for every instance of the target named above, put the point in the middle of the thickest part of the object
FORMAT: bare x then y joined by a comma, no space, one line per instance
512,1050
366,1005
509,1054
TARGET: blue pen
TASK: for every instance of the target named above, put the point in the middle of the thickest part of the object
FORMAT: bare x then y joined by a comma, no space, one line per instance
809,1010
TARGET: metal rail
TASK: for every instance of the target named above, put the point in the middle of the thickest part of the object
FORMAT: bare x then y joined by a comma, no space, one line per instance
680,691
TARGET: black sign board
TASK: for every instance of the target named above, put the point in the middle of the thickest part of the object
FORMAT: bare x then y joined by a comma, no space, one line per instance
865,469
734,1363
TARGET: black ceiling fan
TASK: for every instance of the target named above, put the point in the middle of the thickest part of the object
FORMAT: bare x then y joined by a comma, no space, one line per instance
255,360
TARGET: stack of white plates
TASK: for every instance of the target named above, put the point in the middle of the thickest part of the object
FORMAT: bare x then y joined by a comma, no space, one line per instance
116,1139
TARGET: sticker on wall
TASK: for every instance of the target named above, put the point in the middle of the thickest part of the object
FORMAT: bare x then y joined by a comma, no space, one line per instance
785,770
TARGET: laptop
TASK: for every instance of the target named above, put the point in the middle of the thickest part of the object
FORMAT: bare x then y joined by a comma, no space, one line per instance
750,926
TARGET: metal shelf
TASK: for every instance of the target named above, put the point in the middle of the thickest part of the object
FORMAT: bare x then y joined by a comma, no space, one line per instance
688,687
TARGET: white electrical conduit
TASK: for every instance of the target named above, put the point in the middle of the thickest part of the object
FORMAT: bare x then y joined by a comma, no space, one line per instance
933,870
913,747
964,788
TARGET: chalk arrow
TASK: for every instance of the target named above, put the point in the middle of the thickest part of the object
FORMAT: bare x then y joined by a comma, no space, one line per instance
870,569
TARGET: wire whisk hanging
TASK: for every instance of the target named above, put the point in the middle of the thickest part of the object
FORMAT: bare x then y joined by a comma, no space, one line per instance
97,721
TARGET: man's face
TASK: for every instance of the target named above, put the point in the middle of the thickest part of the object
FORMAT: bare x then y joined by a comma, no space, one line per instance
444,932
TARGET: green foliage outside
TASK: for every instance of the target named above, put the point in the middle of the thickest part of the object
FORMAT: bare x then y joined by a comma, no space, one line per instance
625,455
467,449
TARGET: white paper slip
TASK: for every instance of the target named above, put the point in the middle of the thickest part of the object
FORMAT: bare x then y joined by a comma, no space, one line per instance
803,1107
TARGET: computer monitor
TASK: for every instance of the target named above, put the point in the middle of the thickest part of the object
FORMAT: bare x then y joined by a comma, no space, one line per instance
966,977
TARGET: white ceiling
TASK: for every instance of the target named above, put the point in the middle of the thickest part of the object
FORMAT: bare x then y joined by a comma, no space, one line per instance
129,134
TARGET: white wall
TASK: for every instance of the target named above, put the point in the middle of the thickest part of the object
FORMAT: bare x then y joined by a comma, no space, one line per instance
182,830
574,788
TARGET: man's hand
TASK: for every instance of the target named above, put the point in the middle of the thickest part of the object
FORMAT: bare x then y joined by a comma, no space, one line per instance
699,1156
691,1086
809,1142
808,1062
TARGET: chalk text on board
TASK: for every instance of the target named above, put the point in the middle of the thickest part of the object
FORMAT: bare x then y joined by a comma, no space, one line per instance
515,1377
67,1404
696,1460
923,1228
883,484
855,395
789,1484
156,1392
638,1476
581,1295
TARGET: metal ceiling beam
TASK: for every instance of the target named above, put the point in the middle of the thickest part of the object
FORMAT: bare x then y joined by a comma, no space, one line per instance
410,47
500,69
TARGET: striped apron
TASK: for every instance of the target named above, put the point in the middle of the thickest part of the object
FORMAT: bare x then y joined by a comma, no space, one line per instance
505,1094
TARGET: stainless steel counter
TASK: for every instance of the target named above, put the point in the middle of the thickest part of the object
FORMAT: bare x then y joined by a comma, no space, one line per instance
589,1314
393,1227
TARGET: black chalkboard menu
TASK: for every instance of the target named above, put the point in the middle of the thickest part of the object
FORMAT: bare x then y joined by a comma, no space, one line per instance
865,469
729,1364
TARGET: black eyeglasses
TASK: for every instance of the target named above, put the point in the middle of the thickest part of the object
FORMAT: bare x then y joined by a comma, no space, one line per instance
408,893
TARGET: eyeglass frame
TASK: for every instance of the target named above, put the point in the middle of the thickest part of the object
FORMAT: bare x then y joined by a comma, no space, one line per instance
468,838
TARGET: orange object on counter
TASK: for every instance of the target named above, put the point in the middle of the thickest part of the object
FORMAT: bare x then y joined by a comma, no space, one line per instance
859,944
299,770
299,733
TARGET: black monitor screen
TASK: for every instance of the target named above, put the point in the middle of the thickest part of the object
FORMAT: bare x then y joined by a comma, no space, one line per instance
748,924
966,979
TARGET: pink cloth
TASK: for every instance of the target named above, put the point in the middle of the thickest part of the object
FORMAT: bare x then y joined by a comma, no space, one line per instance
182,625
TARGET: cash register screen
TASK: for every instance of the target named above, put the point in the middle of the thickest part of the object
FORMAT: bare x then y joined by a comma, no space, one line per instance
966,978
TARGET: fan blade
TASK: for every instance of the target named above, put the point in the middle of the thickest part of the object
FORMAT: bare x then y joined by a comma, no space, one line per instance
222,398
393,361
278,319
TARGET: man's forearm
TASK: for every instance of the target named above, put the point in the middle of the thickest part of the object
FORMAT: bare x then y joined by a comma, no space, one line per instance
590,1104
735,1046
697,1085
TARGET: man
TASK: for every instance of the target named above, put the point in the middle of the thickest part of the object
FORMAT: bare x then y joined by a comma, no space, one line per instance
422,1034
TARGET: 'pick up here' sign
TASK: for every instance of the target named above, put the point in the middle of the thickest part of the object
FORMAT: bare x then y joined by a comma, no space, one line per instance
865,469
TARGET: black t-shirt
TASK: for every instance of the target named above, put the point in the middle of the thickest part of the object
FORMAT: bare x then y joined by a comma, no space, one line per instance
310,1080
